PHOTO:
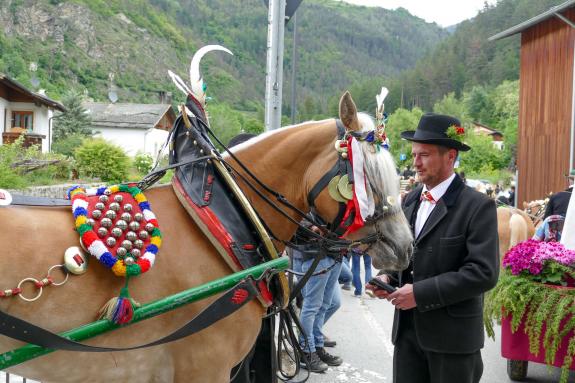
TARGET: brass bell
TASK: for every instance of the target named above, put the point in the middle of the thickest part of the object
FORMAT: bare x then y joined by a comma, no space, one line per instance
131,236
107,192
110,214
111,241
115,206
126,244
97,214
102,232
104,198
126,217
118,198
121,252
136,253
117,232
91,222
149,227
122,224
138,217
128,207
143,234
106,222
134,226
99,206
138,243
129,261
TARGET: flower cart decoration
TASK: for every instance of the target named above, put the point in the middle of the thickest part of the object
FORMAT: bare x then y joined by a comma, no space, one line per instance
535,298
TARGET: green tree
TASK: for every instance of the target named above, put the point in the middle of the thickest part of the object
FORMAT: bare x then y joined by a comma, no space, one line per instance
452,106
101,159
74,121
399,121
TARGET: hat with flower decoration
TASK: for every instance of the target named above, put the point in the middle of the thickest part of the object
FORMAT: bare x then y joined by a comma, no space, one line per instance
438,129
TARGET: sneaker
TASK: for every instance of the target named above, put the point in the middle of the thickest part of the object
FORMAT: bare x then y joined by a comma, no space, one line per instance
327,358
328,342
346,287
315,363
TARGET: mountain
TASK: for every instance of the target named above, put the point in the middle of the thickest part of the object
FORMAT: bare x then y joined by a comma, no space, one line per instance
95,45
466,58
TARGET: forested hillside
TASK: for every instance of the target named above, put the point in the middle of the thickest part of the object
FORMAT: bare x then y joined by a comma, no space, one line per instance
78,43
466,58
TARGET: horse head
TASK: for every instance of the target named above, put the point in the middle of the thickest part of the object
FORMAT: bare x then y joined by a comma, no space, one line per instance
386,222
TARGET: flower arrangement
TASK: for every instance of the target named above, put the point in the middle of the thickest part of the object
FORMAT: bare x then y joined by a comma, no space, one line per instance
456,133
532,291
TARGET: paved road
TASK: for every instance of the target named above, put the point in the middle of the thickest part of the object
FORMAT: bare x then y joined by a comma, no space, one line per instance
362,329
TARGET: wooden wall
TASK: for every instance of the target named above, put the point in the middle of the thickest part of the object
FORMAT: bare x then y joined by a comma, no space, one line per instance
545,107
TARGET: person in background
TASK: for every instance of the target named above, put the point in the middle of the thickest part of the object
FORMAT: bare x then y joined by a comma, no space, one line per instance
438,325
345,275
559,202
512,195
550,230
356,257
321,299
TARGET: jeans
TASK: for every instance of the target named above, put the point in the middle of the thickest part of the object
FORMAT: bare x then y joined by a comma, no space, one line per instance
321,299
355,270
345,275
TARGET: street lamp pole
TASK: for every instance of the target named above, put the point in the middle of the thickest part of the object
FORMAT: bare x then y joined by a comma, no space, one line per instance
274,64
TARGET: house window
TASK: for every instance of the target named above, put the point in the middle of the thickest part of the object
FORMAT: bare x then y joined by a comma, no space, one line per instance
23,120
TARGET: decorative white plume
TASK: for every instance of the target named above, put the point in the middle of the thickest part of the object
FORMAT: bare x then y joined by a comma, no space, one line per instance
196,81
196,87
380,98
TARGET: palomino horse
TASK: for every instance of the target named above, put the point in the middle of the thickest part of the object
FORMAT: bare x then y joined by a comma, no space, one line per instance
513,226
290,160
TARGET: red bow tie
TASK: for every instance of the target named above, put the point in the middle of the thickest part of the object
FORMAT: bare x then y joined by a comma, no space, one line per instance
426,195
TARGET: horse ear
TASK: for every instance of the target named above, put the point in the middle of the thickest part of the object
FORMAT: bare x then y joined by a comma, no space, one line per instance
348,112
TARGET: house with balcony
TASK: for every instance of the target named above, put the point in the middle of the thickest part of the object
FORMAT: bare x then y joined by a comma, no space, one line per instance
25,113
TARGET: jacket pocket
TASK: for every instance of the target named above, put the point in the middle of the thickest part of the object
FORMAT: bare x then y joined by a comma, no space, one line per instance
452,241
466,309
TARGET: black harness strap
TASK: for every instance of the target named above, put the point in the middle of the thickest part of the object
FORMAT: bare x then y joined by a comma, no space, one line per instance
24,331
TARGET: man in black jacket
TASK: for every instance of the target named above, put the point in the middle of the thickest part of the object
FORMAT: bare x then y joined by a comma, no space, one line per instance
559,202
438,325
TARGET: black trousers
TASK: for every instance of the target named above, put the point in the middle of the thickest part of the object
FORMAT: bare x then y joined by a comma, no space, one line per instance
412,364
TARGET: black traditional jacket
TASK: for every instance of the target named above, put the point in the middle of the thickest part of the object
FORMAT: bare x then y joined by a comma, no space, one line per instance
456,260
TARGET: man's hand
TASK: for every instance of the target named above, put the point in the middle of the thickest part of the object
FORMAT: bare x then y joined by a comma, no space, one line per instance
375,291
403,298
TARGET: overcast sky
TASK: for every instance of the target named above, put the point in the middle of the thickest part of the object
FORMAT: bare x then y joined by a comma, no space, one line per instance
443,12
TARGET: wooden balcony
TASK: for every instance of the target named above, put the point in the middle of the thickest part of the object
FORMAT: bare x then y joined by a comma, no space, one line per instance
29,138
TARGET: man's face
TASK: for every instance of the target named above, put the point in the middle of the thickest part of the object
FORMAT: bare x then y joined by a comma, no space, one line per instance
432,163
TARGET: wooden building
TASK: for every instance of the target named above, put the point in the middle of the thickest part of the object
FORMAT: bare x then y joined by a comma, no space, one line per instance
546,101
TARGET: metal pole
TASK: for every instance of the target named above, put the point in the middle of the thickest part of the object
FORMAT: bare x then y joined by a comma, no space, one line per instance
293,69
274,65
148,310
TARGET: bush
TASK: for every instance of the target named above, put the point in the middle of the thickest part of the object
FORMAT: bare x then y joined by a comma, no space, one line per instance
143,163
101,159
68,145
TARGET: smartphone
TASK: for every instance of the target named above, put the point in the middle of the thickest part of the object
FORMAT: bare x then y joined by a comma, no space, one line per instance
382,285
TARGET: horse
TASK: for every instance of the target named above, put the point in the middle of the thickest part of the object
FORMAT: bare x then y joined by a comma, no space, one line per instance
513,226
290,160
536,210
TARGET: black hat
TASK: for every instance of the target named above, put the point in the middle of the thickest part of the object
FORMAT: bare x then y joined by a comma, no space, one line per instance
432,129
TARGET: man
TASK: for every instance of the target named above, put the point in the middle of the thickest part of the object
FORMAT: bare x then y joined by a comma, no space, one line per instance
438,325
512,196
321,299
559,202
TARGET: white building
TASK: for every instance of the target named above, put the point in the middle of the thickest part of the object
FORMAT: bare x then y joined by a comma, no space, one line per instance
23,112
134,127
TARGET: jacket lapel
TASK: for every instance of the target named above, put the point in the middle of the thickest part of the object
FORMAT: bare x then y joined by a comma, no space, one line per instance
442,207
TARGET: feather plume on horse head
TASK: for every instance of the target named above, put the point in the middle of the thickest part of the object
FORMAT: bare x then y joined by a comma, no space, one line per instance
197,86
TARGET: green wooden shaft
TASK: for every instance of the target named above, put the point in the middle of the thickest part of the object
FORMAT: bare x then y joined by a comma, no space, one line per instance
148,310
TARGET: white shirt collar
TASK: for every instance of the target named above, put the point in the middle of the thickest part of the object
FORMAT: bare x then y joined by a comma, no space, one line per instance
439,190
